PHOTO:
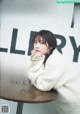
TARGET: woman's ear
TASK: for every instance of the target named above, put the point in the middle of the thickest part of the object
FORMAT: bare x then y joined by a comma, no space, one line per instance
50,48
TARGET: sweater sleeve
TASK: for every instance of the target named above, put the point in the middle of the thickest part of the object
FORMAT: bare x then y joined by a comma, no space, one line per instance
48,77
35,70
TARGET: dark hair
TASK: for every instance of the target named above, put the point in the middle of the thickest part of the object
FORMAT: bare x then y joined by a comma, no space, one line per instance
48,37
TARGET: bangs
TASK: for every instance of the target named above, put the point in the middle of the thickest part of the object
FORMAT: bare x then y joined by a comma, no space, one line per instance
39,38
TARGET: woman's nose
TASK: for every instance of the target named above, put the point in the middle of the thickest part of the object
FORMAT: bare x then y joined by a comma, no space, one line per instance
37,46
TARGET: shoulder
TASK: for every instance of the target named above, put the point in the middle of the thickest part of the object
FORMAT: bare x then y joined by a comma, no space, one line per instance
56,61
56,57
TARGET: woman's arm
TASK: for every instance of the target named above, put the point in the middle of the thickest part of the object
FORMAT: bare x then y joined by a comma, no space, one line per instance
53,75
48,77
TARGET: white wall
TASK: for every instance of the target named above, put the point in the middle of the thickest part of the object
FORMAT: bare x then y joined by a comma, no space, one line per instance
27,16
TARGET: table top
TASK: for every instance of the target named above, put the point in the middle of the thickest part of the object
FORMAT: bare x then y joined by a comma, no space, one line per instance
21,92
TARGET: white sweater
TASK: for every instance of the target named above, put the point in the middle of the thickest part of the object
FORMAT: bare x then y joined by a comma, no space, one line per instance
60,75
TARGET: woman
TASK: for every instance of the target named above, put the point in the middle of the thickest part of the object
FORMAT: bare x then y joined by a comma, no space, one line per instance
49,69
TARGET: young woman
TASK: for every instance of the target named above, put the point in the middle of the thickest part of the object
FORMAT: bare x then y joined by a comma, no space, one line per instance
49,69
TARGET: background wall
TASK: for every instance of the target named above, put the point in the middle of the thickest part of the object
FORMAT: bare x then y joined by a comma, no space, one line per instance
21,18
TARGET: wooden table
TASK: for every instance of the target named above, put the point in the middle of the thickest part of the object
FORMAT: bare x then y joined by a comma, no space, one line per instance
23,93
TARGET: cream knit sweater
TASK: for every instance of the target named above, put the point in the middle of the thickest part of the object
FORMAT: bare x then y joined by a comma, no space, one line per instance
60,75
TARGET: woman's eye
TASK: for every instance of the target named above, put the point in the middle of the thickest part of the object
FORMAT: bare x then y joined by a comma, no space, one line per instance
35,42
41,42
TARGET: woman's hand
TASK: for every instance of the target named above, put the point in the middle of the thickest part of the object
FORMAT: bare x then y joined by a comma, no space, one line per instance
36,55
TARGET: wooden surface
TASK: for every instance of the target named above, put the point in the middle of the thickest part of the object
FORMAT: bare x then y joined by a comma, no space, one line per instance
25,93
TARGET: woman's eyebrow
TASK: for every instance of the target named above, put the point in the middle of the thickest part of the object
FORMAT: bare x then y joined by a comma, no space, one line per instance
41,40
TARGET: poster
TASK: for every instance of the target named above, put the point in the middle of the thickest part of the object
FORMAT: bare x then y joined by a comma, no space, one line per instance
20,19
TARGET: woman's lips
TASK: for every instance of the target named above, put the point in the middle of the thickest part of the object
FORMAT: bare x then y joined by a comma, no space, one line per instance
37,50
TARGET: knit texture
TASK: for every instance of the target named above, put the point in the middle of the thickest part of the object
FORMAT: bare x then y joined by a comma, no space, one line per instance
60,75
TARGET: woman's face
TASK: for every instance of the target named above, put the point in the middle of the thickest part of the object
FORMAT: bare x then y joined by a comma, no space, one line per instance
40,46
